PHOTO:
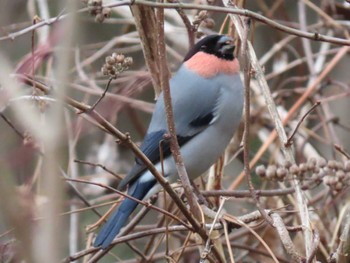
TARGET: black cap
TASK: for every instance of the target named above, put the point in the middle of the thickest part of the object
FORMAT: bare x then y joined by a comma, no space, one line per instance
219,45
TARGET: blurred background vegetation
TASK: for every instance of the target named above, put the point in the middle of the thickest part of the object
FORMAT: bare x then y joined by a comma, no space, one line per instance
53,51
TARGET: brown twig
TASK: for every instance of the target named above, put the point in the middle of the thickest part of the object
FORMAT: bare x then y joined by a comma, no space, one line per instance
342,151
294,109
342,253
125,138
136,219
242,12
129,237
174,145
205,252
249,248
80,195
102,95
285,238
163,220
247,71
117,176
286,64
7,120
241,223
187,23
248,218
146,25
259,193
224,223
289,155
314,247
289,141
147,204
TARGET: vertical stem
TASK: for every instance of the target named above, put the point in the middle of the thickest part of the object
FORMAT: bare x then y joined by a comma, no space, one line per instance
247,68
174,145
74,217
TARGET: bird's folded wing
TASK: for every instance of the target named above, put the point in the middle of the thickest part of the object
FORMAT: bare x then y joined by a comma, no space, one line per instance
192,115
153,146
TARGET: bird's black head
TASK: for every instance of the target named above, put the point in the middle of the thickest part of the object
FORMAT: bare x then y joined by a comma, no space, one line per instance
219,45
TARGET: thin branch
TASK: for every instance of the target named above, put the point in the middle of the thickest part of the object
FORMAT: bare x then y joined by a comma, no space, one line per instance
228,241
102,95
335,60
242,12
247,71
207,248
174,145
290,139
131,237
259,193
117,176
125,139
236,220
79,194
147,204
314,247
285,238
342,151
289,155
187,23
343,249
7,120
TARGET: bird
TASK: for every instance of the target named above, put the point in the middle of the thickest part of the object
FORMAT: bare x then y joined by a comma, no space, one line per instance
207,100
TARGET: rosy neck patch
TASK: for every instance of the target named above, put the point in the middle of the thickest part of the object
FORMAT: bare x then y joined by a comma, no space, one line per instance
208,65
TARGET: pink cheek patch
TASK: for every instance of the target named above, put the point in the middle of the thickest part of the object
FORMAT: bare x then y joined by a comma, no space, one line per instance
208,65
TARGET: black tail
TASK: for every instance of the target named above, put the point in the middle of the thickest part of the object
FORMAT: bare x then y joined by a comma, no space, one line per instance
119,217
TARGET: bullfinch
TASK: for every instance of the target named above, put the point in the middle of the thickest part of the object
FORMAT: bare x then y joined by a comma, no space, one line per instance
207,99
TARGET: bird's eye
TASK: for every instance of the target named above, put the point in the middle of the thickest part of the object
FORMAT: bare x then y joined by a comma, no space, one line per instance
228,42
